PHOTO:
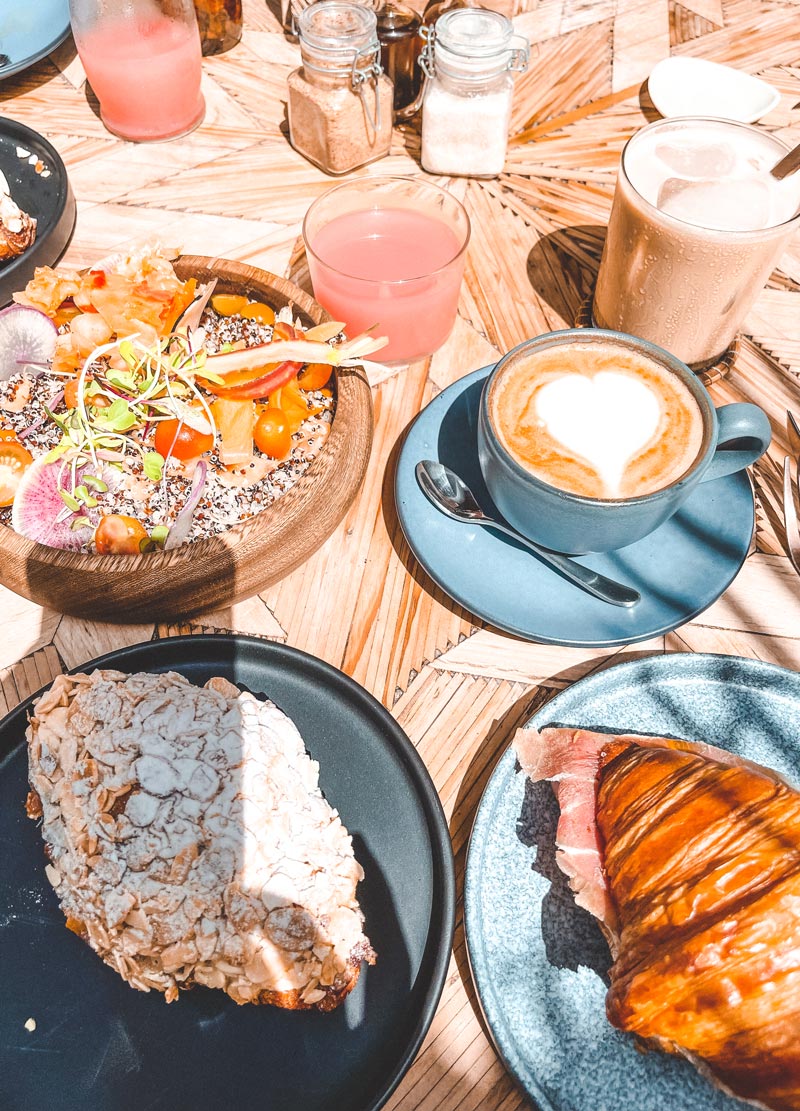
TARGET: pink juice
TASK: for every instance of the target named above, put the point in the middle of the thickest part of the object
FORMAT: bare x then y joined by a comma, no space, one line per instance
395,267
146,74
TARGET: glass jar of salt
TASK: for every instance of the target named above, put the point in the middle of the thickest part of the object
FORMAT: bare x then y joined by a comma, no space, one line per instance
468,60
340,100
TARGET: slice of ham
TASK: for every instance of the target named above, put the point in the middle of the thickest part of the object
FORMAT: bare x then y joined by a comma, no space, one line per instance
689,857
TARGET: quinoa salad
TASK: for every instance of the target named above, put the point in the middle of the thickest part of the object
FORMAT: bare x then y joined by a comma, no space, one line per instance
139,411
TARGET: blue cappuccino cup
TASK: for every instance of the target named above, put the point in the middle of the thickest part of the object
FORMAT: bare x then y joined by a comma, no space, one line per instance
728,439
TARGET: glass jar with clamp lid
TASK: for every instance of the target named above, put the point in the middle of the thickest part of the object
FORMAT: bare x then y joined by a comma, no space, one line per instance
468,61
340,100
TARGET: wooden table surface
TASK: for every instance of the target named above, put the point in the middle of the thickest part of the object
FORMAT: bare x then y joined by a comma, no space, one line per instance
236,189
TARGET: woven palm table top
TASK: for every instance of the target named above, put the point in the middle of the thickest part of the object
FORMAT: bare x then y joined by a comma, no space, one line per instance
236,189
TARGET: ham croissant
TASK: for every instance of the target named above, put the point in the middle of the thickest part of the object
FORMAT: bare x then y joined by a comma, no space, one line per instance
689,857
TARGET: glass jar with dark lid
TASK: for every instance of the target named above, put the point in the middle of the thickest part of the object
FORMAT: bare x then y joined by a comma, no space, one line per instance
220,23
398,34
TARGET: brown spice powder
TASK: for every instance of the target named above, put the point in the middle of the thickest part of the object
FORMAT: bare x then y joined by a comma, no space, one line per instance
328,121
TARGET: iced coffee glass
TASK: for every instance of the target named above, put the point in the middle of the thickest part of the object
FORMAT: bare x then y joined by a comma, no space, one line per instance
697,226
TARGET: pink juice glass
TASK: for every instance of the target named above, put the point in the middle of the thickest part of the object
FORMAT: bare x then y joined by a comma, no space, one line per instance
389,252
143,61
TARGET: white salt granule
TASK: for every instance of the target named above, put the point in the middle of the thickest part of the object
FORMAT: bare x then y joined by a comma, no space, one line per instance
465,135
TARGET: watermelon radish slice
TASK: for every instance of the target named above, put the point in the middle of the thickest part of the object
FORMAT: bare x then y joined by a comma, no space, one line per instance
27,336
39,512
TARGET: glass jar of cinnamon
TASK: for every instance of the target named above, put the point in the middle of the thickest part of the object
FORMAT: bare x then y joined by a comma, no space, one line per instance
340,100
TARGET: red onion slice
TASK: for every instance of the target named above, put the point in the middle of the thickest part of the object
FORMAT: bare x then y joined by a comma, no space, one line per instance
179,533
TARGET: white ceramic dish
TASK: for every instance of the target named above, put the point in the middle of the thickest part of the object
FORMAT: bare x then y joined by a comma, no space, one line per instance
694,87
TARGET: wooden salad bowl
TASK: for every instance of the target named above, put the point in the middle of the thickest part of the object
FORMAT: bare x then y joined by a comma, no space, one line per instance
208,574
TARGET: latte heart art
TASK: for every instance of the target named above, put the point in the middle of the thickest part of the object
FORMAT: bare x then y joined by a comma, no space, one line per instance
606,419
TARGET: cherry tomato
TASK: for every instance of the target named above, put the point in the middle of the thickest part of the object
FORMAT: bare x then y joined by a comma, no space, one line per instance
119,535
228,304
14,462
271,433
259,312
283,331
315,376
175,438
71,393
8,434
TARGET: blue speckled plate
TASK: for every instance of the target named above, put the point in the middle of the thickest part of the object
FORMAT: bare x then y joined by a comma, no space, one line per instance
539,962
30,31
679,570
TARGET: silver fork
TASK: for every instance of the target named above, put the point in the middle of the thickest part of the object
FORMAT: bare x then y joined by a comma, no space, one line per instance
789,508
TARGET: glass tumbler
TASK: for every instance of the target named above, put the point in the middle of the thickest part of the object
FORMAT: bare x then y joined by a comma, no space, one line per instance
143,61
388,253
697,225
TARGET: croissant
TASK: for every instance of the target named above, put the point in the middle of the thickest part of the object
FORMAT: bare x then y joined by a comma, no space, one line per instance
689,857
189,841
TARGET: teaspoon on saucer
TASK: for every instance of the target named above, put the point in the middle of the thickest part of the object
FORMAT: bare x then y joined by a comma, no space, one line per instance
452,496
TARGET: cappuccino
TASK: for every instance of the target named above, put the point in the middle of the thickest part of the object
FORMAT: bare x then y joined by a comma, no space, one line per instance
595,419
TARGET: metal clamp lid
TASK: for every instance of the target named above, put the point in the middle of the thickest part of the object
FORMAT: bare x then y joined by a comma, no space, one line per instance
513,50
360,75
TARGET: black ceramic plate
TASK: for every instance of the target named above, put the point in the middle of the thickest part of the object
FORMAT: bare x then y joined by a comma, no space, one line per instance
29,31
99,1045
39,184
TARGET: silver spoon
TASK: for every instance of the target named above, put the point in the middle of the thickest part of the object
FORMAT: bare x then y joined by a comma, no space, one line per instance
451,494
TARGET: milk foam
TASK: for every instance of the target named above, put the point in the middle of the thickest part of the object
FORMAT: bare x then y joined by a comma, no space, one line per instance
596,419
607,419
713,176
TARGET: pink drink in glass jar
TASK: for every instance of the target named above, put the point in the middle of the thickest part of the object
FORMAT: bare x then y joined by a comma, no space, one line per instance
143,65
389,253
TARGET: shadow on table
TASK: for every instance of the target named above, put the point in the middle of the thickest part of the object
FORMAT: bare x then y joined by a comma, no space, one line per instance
649,109
91,100
562,267
401,546
37,74
274,6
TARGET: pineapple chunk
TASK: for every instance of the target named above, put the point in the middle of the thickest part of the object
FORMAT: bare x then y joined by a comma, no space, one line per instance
235,421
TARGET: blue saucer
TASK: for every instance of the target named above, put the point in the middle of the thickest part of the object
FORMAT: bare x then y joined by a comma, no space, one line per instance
679,569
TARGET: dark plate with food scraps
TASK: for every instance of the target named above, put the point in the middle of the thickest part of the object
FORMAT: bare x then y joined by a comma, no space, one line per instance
39,185
95,1043
208,573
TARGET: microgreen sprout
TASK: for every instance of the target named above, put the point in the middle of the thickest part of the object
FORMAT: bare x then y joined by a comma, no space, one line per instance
124,389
